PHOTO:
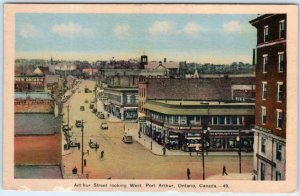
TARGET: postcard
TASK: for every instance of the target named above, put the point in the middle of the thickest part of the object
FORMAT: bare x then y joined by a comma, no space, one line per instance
150,97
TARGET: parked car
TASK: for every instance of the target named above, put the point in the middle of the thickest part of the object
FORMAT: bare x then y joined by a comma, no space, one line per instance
78,123
72,143
91,106
127,139
94,110
104,125
93,144
81,108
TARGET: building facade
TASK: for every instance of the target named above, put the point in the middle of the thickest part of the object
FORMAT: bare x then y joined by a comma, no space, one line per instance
180,124
270,114
34,102
30,83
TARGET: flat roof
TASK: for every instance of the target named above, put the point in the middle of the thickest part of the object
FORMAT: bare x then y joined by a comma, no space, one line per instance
195,108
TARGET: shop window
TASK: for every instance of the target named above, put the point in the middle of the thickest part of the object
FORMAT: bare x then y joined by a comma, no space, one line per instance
262,171
278,151
231,143
263,145
216,143
176,119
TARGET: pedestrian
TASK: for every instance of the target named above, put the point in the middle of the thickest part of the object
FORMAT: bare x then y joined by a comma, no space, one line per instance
78,145
188,173
197,148
84,162
190,150
164,151
74,170
224,171
108,115
102,154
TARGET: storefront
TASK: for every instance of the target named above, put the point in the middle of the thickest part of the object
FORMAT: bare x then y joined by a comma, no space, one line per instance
130,113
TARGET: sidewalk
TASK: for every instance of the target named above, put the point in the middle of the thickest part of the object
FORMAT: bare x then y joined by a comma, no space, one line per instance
157,149
232,176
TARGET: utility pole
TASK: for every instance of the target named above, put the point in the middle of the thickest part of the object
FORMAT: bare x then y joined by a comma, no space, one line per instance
203,165
68,108
82,147
240,156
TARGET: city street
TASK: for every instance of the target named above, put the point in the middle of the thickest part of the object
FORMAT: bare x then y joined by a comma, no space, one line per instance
130,161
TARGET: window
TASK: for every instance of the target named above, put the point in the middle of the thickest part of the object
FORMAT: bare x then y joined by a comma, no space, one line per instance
279,91
262,171
266,33
282,29
176,119
278,176
264,90
234,120
214,120
281,62
265,63
221,120
279,119
278,151
263,115
263,145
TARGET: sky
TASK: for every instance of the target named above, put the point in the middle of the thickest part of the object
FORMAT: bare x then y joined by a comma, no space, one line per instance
201,38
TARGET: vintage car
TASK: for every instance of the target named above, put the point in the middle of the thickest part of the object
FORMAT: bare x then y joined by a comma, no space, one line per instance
127,139
81,108
93,144
91,106
78,123
104,125
72,143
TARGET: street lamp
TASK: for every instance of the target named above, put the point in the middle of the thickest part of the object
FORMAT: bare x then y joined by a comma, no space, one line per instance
238,139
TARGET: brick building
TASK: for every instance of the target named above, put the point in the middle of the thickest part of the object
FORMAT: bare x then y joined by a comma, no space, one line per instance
33,102
37,143
175,111
270,114
30,83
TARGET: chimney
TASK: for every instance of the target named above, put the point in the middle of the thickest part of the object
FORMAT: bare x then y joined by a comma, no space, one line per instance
165,60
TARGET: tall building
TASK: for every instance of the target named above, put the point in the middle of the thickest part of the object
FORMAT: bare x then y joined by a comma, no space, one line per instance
270,113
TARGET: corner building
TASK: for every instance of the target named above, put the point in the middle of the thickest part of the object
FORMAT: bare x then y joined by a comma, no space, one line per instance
270,108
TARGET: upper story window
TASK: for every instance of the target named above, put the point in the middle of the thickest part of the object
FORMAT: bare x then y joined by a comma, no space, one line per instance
279,119
264,91
281,61
265,63
263,145
263,115
282,29
279,91
278,151
266,33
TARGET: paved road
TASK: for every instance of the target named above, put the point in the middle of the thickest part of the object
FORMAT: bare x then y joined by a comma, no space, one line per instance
131,161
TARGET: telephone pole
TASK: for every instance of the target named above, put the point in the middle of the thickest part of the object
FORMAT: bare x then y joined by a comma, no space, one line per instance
82,147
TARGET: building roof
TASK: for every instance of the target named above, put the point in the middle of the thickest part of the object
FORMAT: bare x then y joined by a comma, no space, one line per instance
36,124
120,89
168,64
50,79
171,107
38,172
65,67
260,17
33,95
193,88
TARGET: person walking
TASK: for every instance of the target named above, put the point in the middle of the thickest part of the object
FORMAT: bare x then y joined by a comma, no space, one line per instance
224,171
197,148
102,154
188,173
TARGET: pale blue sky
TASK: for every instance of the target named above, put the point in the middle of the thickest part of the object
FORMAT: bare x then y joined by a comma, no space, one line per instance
194,37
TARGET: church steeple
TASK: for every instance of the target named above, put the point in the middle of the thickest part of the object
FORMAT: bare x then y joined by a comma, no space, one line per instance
51,61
